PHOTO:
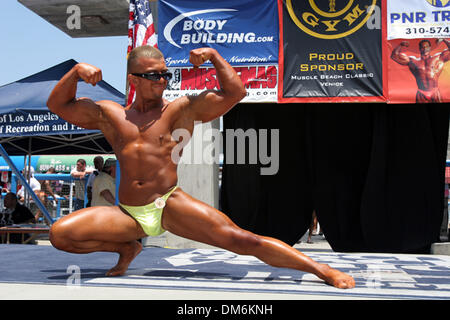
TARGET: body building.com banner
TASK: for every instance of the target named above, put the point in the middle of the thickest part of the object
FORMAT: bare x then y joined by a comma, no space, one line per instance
330,51
244,32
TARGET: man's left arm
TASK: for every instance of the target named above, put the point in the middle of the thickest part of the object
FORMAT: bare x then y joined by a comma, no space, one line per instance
445,55
108,196
211,104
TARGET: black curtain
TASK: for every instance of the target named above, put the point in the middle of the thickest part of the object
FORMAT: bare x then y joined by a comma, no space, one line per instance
374,174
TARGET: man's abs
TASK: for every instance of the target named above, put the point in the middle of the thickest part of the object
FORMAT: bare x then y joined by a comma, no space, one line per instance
138,192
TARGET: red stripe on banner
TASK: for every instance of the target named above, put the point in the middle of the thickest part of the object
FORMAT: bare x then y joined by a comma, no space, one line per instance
280,52
384,49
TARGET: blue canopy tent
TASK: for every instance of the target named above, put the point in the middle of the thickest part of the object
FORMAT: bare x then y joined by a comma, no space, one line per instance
28,127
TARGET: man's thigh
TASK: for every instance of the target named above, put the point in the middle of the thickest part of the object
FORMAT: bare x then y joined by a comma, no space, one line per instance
190,218
99,223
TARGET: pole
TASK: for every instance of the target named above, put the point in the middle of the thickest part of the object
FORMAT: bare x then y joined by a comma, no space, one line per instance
25,184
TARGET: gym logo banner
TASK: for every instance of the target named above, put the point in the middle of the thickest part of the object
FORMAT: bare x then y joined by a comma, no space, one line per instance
328,19
259,81
330,51
243,32
409,19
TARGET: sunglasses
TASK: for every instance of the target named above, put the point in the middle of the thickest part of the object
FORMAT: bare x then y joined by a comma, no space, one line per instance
154,76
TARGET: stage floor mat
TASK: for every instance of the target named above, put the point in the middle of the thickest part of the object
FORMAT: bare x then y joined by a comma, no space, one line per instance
383,276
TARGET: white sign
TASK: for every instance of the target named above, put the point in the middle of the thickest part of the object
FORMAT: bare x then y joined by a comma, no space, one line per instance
412,19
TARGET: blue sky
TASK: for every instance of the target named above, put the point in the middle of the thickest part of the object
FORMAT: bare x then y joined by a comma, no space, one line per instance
30,44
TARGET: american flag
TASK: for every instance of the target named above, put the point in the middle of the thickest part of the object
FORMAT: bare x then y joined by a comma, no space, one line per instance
141,31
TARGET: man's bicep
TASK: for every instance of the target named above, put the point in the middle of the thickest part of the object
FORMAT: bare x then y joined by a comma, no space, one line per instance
83,112
445,56
402,59
208,105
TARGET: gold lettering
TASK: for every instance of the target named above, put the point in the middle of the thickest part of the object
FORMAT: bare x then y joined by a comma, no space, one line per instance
330,24
352,16
311,19
312,56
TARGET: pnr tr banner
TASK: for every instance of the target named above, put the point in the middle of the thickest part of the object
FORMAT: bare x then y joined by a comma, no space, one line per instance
409,19
419,70
419,51
244,32
330,51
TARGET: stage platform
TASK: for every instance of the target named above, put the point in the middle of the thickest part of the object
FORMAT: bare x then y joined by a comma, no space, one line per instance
42,272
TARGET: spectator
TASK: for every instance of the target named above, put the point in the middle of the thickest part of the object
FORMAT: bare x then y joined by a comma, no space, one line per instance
47,189
19,213
98,164
104,188
79,175
32,181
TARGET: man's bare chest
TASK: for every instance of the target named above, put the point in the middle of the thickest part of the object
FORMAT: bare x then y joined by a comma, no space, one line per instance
429,67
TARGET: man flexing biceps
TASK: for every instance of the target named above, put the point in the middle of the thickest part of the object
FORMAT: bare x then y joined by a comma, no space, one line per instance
150,201
426,69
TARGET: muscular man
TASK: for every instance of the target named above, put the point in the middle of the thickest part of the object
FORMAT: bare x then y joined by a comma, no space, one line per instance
150,201
425,69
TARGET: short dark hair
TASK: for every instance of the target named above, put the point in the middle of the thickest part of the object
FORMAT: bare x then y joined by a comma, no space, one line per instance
82,161
423,41
139,52
11,195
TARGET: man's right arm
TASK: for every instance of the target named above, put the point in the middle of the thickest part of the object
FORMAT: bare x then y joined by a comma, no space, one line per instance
400,57
82,112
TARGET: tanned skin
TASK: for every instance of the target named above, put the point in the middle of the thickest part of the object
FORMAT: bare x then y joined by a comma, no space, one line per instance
140,135
426,69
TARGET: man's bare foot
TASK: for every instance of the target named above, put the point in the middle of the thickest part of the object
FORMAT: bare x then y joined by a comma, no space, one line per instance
130,252
337,278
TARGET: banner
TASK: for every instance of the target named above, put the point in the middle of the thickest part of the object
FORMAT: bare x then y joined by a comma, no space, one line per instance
419,71
410,19
261,82
65,163
418,50
36,122
330,51
243,32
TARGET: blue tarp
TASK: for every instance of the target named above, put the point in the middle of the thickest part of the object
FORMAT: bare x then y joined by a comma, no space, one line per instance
23,108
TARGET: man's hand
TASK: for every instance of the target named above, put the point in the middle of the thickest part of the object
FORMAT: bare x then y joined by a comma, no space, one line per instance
199,56
89,73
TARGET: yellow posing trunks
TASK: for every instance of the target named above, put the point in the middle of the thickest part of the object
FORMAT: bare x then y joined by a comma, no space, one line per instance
149,216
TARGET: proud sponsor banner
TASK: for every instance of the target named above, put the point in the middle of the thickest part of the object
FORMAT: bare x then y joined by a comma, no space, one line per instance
261,82
330,51
410,19
243,32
